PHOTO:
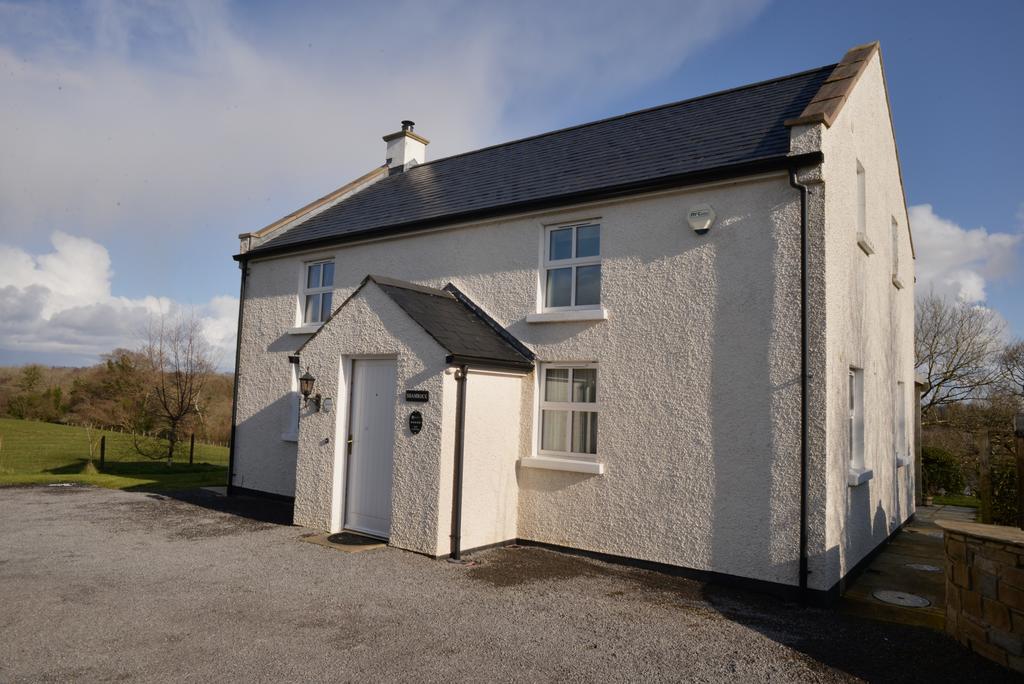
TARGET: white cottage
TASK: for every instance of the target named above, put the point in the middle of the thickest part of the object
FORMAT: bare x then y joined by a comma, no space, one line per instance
681,336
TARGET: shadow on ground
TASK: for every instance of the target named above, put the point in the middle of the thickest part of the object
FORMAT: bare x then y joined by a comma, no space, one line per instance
825,637
253,508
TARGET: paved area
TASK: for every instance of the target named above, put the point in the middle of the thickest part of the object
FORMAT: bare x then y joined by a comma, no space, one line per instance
913,564
101,585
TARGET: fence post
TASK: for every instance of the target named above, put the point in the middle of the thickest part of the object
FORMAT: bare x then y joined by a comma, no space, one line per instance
985,476
103,450
191,448
1018,433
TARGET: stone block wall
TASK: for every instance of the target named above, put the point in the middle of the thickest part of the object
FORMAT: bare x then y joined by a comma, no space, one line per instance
985,590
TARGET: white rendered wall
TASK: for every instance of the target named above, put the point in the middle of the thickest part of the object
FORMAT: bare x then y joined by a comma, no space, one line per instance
490,497
698,370
870,324
372,325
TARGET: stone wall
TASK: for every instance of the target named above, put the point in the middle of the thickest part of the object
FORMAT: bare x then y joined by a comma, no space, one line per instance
985,590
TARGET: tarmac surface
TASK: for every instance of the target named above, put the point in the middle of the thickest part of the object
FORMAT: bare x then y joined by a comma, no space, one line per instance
100,585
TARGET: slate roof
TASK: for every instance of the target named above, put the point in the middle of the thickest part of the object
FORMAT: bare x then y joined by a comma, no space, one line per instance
733,128
457,324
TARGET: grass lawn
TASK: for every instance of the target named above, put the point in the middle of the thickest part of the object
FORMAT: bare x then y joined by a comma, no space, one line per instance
32,452
958,500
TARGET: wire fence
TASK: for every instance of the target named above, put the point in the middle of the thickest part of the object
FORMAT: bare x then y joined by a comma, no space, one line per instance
36,447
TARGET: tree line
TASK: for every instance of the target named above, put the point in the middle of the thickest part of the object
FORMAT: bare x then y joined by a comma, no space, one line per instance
973,375
161,392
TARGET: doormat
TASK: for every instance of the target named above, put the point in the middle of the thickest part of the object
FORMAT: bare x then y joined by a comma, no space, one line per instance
349,542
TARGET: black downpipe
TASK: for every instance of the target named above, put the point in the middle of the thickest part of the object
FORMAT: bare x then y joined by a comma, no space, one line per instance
244,265
804,572
460,440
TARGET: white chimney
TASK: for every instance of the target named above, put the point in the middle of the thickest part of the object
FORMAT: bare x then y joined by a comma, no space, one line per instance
405,148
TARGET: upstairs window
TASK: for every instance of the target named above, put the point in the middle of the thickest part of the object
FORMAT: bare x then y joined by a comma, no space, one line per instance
317,291
568,410
894,229
572,267
862,201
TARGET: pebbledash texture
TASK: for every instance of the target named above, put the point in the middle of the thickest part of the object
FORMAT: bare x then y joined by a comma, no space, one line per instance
682,336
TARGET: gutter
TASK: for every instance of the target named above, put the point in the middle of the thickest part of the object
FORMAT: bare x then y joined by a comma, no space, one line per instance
804,354
726,172
460,443
244,266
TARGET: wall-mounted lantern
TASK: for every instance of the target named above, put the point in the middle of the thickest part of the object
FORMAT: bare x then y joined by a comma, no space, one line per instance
306,389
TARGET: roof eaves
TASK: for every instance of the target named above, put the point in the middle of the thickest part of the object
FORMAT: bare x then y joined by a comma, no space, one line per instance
323,202
723,172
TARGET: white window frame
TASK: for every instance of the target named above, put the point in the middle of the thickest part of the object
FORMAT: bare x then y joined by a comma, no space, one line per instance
894,227
858,472
901,447
568,407
306,291
863,241
573,262
293,406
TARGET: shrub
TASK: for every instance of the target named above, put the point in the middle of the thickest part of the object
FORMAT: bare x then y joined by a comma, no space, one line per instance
1004,492
943,472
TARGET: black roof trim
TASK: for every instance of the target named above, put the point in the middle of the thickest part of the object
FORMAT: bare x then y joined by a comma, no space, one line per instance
459,326
729,171
491,364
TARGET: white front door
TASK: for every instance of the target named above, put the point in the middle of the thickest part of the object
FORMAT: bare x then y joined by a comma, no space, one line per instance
372,435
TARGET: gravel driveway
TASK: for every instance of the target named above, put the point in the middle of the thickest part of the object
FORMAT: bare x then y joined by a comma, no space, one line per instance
100,584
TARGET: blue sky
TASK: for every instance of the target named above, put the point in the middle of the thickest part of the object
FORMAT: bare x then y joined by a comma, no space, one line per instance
150,135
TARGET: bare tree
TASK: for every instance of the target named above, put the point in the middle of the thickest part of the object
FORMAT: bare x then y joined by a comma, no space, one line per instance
1011,362
956,347
180,363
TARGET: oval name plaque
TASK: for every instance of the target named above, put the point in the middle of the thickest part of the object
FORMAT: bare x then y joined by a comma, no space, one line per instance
415,422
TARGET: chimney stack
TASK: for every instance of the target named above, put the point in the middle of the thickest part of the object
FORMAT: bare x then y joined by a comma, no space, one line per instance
405,148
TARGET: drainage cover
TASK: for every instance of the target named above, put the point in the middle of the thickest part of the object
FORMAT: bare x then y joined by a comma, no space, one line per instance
902,598
924,567
349,539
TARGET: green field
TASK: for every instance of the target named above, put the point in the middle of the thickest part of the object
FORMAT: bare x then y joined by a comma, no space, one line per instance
32,452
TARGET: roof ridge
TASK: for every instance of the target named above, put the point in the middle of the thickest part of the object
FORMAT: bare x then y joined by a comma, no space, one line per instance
615,117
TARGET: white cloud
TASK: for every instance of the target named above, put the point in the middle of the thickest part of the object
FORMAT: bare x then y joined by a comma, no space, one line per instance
181,120
957,261
61,302
162,116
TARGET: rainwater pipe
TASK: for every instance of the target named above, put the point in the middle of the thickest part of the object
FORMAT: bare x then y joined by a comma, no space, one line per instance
460,442
804,376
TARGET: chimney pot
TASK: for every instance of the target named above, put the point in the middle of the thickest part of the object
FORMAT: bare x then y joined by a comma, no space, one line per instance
405,148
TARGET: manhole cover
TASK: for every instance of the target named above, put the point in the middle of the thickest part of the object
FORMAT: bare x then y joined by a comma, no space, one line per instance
349,539
902,598
924,567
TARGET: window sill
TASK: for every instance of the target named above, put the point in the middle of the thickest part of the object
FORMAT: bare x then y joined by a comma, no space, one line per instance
571,465
569,315
858,476
897,283
308,329
865,244
289,437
